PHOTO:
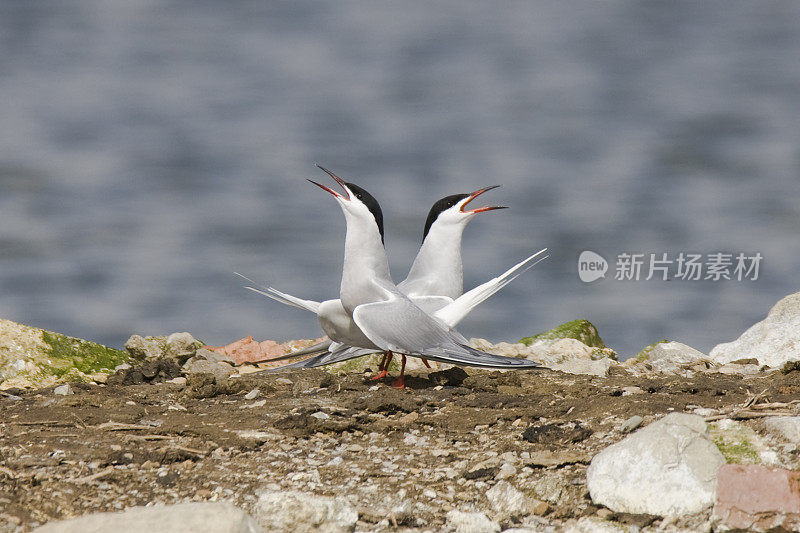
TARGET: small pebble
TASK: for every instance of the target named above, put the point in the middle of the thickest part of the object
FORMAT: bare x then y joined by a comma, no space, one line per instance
604,513
62,390
319,415
628,391
506,471
252,395
409,418
632,423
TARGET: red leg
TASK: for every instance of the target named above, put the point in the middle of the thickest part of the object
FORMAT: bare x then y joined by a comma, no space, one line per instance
400,383
384,366
426,363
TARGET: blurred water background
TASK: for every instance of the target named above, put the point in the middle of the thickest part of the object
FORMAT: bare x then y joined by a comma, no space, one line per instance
149,149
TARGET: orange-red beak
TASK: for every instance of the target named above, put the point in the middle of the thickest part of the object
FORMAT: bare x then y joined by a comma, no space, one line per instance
340,181
480,209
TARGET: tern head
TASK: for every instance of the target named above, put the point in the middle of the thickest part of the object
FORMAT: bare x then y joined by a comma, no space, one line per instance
358,205
452,210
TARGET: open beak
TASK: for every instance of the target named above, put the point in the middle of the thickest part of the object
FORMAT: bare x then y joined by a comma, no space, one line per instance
340,181
480,209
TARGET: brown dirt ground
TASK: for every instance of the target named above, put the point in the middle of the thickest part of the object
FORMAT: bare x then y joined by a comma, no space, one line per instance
108,447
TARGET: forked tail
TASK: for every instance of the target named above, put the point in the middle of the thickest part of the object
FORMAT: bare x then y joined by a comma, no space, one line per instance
454,312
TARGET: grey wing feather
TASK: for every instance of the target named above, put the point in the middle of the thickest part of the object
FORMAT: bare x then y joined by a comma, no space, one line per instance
400,326
430,304
465,355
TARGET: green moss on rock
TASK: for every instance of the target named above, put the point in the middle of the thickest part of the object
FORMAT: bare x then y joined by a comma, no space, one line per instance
579,329
738,443
68,352
32,357
737,452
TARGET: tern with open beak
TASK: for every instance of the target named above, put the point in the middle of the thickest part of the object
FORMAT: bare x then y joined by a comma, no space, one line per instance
383,314
434,283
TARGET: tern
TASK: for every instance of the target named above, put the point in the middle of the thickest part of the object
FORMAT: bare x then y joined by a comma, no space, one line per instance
434,280
434,283
389,319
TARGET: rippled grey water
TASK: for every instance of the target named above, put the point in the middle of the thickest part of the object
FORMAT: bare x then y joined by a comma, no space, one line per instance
149,149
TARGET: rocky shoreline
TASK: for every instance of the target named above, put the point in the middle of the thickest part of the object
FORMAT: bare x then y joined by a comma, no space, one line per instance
170,434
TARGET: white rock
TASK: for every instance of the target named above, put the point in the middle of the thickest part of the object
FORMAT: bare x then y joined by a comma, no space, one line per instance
252,395
551,486
787,427
572,348
212,517
566,355
220,371
736,370
304,512
668,357
773,341
182,344
210,355
506,471
320,415
471,522
62,390
632,423
506,500
667,468
146,347
584,366
510,457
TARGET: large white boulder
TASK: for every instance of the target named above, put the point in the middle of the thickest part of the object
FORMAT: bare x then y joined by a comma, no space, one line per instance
773,341
667,468
197,517
668,357
574,348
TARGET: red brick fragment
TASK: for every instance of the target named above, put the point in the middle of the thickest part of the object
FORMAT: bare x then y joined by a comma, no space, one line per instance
249,350
758,497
